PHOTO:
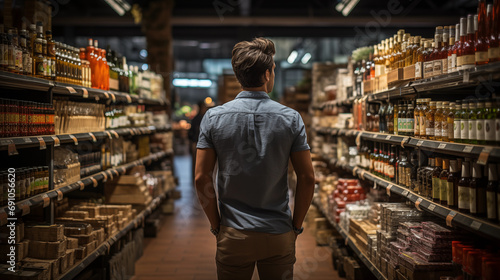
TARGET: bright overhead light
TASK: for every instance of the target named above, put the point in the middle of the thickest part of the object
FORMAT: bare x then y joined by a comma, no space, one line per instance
305,59
293,55
120,6
145,67
193,83
143,53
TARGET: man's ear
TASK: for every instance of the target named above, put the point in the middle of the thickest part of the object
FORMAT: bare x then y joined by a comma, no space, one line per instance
267,75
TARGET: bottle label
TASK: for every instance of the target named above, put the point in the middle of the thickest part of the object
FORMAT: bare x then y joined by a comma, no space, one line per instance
463,197
450,125
436,188
453,67
497,129
450,194
429,127
472,129
472,200
444,63
410,125
456,129
390,171
416,128
460,62
422,126
437,129
481,56
44,65
443,190
494,53
444,129
480,130
438,67
113,84
418,70
408,177
491,205
468,61
19,59
51,50
464,129
428,69
26,62
39,68
489,129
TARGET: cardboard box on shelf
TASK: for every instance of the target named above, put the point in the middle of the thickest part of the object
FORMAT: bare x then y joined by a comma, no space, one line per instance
49,233
47,250
77,214
71,243
80,253
46,269
71,257
77,229
21,250
54,265
63,263
5,233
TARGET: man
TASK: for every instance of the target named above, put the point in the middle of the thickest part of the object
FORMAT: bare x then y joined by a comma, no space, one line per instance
253,137
194,131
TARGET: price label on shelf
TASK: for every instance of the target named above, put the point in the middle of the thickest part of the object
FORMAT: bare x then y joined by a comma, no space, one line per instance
27,140
484,155
93,137
85,93
374,185
388,137
404,193
420,142
81,184
115,172
466,76
431,207
109,134
354,171
410,196
123,169
468,149
94,181
105,177
417,203
45,199
106,95
71,90
450,217
11,150
59,195
115,134
475,225
43,146
106,244
442,146
346,240
113,97
56,140
129,99
74,139
388,189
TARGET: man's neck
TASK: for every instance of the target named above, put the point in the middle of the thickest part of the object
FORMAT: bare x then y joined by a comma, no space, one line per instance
262,88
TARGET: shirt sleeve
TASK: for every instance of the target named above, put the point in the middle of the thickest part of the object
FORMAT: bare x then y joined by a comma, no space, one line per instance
205,137
300,141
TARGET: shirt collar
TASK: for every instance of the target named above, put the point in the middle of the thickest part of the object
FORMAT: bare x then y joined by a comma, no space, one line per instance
253,94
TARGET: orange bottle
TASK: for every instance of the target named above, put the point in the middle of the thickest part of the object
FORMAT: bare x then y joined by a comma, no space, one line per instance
105,71
91,58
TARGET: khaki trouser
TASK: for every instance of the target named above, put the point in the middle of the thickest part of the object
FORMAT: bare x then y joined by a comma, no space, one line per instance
239,251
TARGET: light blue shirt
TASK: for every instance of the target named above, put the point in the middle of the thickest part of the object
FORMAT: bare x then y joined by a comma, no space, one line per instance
253,137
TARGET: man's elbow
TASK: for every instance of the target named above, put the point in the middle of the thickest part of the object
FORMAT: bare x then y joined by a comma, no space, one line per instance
201,180
307,179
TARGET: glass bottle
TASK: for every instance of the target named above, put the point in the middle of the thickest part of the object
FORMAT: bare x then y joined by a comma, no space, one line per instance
472,123
468,48
443,53
402,169
481,41
38,53
419,60
389,116
480,121
46,66
494,46
416,117
464,123
463,41
410,121
443,186
429,120
463,188
381,114
396,120
372,160
428,64
477,192
4,49
113,74
489,123
497,122
436,52
455,50
391,165
457,122
444,121
438,121
26,54
423,109
436,183
491,188
452,185
450,118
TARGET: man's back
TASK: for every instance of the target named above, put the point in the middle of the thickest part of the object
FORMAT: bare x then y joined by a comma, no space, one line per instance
253,137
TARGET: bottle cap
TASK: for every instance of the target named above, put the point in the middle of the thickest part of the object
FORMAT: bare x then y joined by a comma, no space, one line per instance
453,166
475,23
466,169
476,170
463,26
470,24
492,172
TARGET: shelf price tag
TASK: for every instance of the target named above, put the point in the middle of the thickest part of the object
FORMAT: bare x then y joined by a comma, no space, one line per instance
71,90
420,142
116,172
81,184
388,137
43,146
483,156
93,137
46,200
442,146
475,225
57,143
74,139
388,189
468,149
105,177
94,181
115,134
405,193
354,171
109,134
417,203
450,217
123,169
25,207
106,244
431,207
85,93
129,99
113,97
106,95
466,76
59,195
27,140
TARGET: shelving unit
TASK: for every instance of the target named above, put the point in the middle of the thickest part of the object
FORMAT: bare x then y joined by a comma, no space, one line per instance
349,242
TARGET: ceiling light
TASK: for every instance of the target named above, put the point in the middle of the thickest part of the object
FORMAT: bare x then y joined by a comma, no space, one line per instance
346,6
145,67
293,55
193,83
119,6
143,53
306,58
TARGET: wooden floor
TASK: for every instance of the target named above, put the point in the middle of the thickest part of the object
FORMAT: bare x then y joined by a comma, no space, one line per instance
185,249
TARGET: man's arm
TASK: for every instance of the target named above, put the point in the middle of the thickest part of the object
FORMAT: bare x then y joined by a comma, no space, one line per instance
302,164
205,163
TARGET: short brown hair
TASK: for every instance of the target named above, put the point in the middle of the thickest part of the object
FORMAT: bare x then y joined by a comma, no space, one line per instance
251,60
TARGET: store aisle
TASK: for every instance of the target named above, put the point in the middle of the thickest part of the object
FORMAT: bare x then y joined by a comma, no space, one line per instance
185,249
